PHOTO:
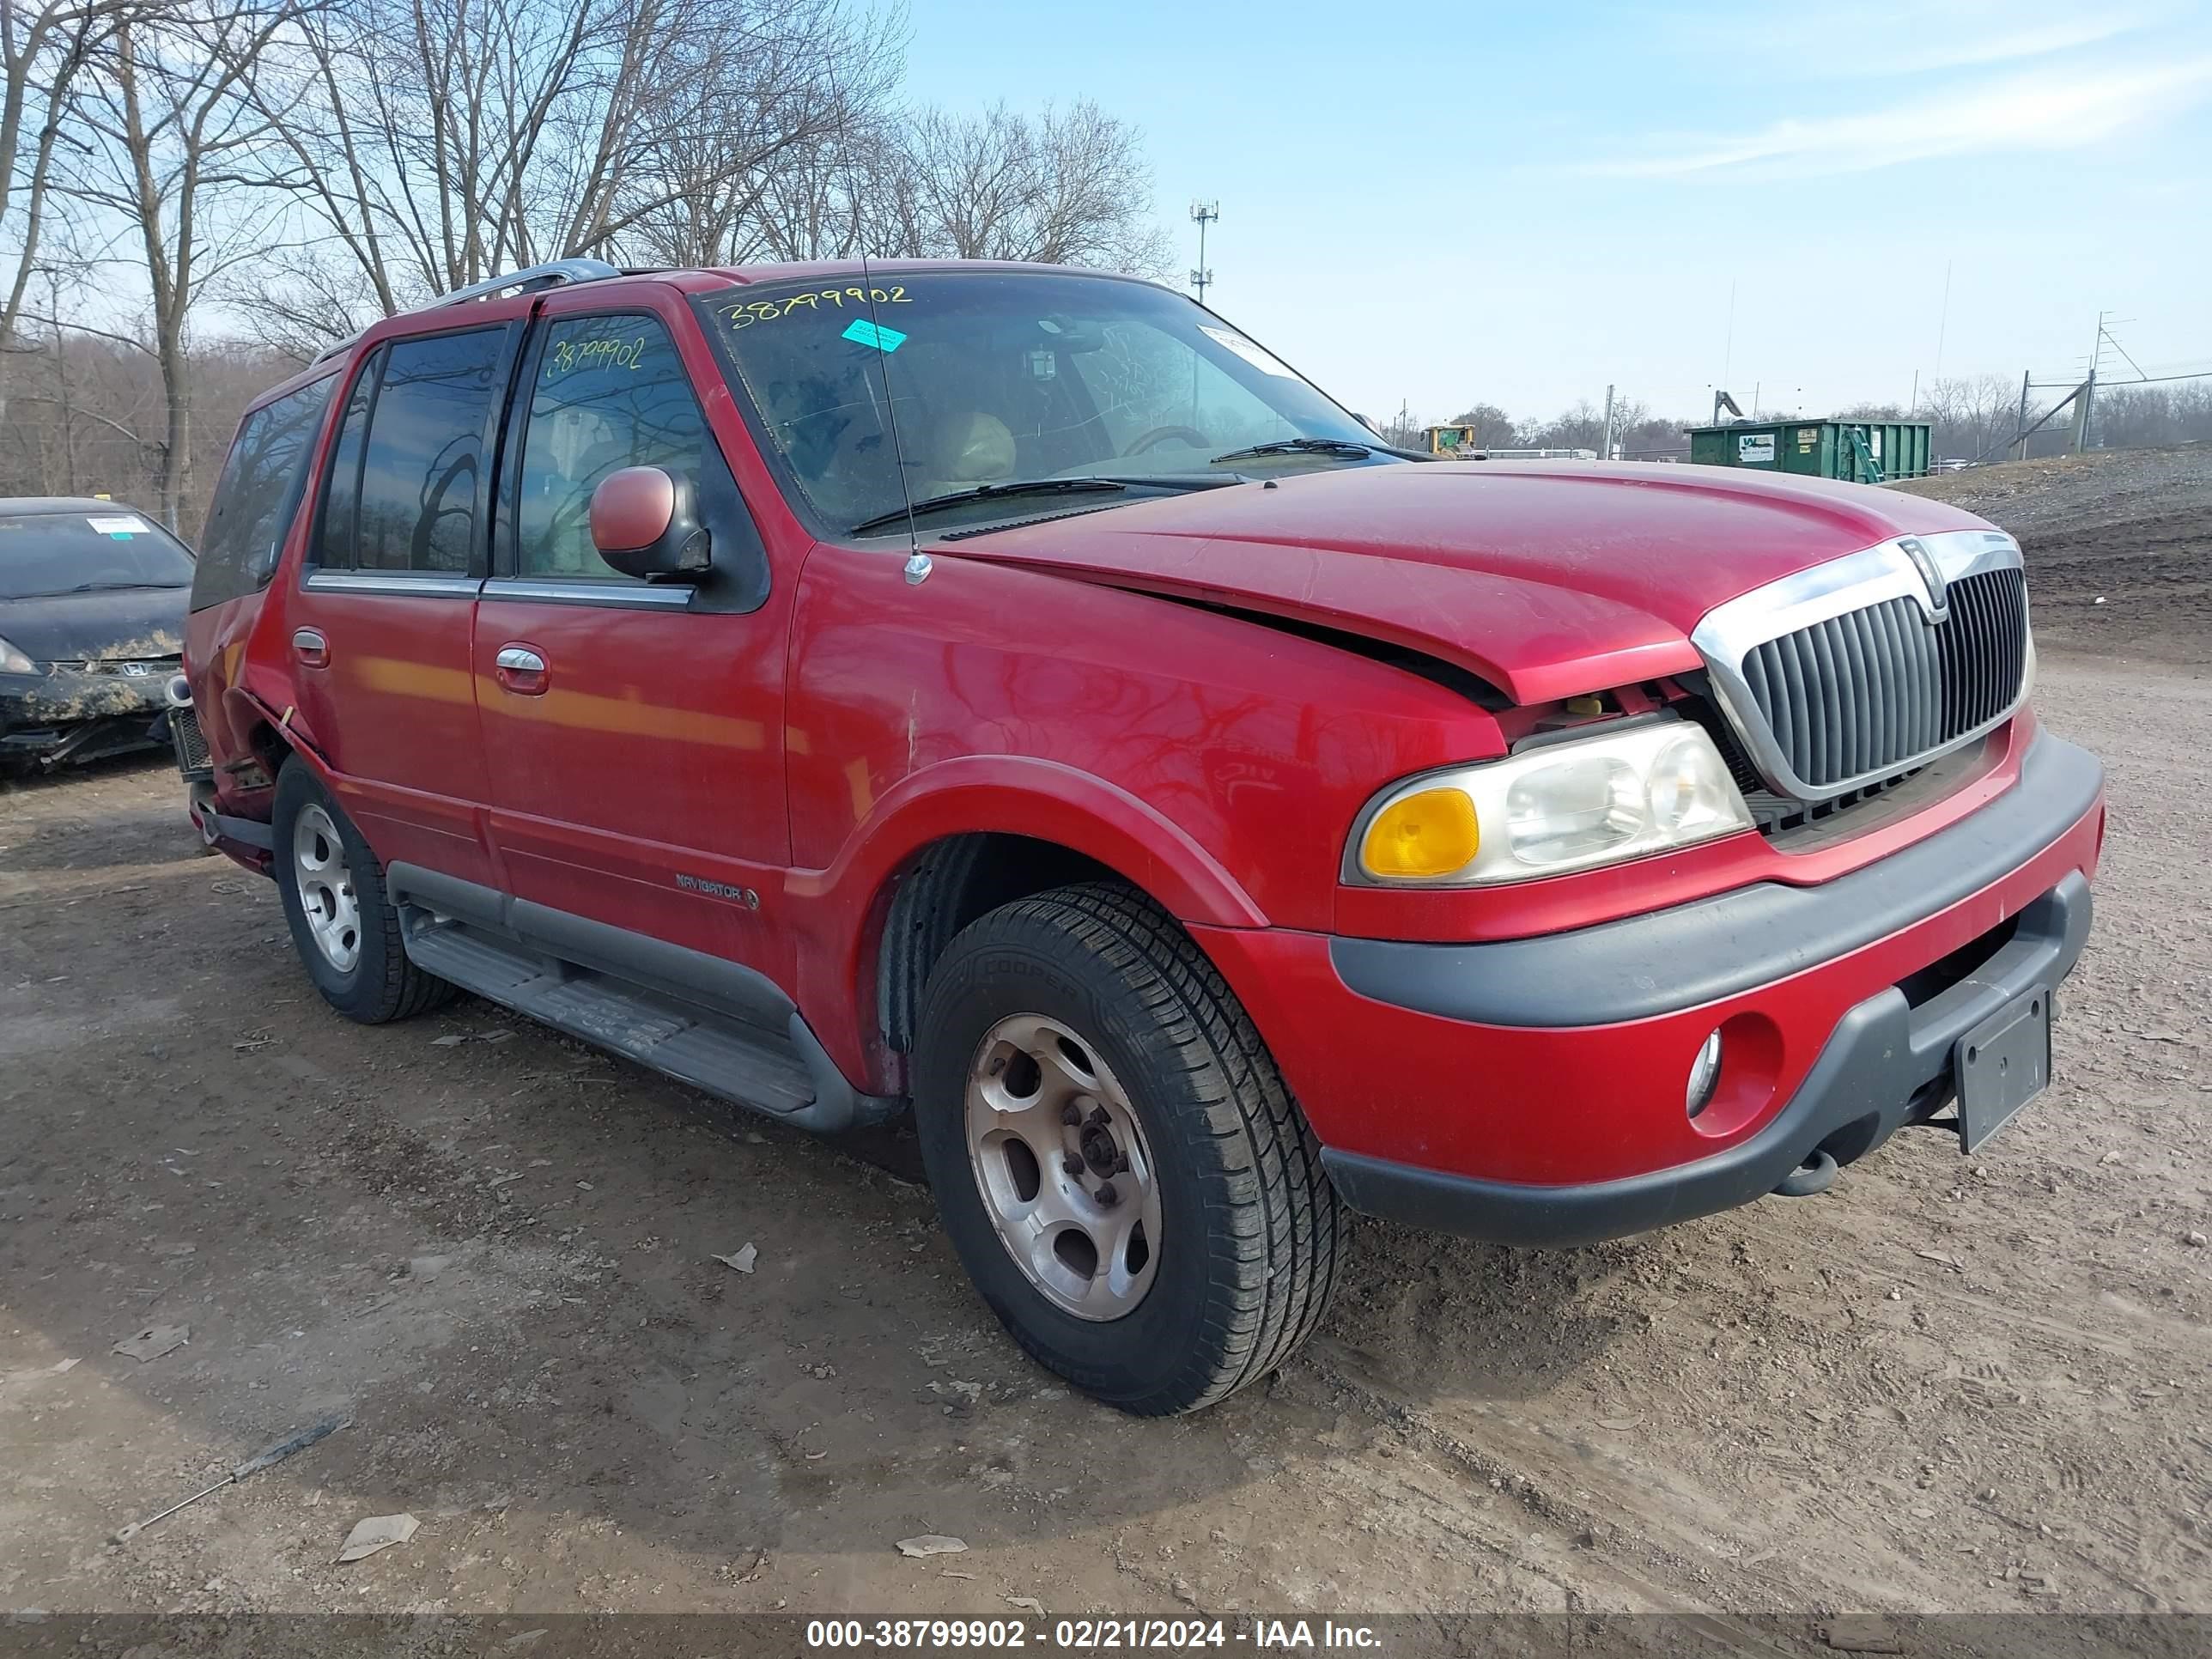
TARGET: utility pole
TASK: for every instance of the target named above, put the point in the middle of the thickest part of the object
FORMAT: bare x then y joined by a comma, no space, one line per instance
1727,351
61,378
1605,443
1201,278
2022,427
1943,321
2088,389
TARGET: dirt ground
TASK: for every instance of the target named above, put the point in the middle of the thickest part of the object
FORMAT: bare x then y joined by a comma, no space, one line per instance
1960,1385
2118,545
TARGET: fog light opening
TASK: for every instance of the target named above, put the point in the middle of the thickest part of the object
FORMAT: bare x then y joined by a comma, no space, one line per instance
1704,1076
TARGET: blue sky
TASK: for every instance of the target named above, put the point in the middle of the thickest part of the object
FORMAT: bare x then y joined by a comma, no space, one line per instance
1444,204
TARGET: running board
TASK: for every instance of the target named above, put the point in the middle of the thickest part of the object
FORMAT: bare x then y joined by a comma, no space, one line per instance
700,1019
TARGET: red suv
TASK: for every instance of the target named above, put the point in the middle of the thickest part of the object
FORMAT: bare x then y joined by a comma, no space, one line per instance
1011,694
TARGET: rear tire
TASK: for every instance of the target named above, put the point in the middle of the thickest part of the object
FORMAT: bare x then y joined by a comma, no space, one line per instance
1089,1000
343,924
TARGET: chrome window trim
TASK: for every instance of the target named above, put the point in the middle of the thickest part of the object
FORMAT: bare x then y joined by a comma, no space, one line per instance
1728,632
395,582
621,596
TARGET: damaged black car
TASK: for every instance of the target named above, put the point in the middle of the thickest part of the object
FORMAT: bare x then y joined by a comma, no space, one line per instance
92,617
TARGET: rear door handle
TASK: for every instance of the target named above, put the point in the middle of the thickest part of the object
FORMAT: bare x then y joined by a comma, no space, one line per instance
520,670
309,646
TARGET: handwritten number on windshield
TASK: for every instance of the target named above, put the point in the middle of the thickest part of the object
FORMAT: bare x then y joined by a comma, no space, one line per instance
745,314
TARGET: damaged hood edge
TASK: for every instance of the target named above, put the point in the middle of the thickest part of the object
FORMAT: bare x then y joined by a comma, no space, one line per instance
1545,642
1547,580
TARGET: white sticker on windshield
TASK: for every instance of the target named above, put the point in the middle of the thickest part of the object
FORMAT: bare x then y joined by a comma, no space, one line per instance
1250,353
121,526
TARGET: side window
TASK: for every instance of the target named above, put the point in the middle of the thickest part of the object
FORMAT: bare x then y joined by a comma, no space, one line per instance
341,521
257,496
607,392
404,473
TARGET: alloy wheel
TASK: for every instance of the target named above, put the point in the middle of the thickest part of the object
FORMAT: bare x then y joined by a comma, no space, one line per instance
325,883
1066,1174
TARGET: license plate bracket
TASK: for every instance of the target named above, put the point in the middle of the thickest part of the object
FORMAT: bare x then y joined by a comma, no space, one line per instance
2001,1064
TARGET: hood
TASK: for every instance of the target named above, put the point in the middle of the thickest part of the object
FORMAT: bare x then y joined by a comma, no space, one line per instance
123,623
1547,579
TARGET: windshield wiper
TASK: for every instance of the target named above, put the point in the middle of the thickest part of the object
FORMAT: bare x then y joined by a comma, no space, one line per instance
1343,446
984,493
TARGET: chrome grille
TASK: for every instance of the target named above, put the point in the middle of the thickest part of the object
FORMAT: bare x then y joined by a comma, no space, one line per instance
1984,646
1873,690
1875,679
1857,694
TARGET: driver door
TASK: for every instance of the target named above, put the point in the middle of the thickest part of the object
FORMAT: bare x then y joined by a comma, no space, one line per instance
633,730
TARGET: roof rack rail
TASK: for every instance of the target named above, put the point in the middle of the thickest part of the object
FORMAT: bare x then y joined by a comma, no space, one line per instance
552,274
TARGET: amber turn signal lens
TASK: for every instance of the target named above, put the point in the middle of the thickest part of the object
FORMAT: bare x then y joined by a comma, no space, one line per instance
1432,832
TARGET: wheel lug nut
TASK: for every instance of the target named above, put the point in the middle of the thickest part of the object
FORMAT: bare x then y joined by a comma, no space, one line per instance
1071,1114
1122,1163
1099,1119
1072,1164
1107,1196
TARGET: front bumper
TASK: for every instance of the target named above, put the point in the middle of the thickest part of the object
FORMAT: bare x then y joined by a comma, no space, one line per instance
55,717
1532,1090
1887,1064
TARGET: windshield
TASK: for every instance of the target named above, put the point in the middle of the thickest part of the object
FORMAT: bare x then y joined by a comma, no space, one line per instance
1001,377
70,552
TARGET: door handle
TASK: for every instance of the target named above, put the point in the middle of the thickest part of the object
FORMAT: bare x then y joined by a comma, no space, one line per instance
520,670
309,646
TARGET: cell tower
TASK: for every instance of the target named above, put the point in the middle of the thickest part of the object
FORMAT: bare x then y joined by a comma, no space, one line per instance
1201,275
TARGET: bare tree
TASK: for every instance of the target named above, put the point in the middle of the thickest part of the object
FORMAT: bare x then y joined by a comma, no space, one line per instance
2128,415
1973,417
1493,428
431,143
823,201
1065,187
790,151
42,49
86,414
313,164
162,136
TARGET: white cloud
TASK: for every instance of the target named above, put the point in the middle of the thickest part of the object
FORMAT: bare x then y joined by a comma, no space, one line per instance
1902,37
2045,111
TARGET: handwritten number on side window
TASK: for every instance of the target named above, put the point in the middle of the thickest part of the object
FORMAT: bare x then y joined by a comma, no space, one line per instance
567,356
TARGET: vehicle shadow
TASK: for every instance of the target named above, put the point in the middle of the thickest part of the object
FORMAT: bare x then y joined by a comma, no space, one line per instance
30,779
500,1254
111,812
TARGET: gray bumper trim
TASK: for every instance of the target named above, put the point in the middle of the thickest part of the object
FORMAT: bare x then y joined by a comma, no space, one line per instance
1887,1064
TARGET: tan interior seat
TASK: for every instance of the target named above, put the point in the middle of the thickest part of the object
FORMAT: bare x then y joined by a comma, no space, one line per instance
964,451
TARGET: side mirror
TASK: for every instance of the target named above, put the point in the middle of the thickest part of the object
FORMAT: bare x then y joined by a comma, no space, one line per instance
645,524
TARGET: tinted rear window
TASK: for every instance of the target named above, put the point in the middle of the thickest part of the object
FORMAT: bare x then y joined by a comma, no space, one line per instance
257,496
85,552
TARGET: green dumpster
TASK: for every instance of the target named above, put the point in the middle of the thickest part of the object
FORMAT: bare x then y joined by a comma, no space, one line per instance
1857,452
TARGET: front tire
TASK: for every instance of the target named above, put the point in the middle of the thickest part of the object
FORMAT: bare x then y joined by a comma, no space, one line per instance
1126,1178
343,924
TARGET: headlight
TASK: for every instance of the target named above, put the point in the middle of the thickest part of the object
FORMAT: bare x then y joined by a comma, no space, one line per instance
1554,808
13,661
